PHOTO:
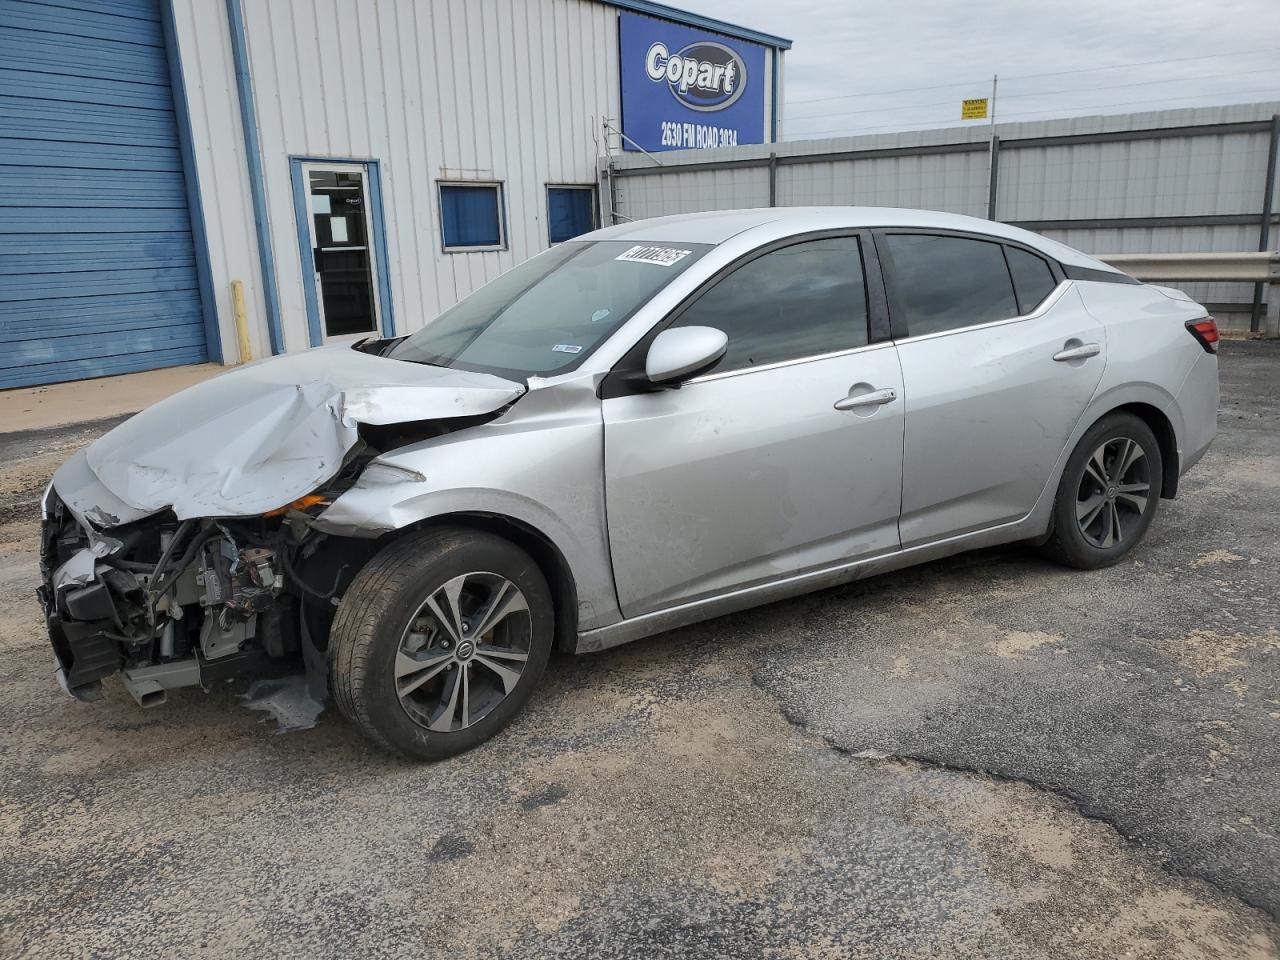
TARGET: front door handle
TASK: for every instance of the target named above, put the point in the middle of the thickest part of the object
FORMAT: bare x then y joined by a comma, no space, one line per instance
876,398
1081,352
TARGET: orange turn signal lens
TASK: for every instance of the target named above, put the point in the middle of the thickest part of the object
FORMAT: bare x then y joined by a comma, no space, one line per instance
310,500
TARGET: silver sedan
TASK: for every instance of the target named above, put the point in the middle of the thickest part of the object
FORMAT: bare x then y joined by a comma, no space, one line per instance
648,426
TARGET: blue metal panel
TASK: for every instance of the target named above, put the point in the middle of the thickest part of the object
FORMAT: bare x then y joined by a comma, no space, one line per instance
29,50
49,286
29,220
83,346
119,8
98,264
381,263
58,253
66,187
52,87
64,317
106,366
87,123
63,22
87,156
773,96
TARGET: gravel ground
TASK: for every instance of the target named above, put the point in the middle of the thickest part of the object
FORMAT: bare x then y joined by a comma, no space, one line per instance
987,756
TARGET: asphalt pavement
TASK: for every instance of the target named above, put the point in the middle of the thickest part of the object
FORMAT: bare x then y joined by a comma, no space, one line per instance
987,756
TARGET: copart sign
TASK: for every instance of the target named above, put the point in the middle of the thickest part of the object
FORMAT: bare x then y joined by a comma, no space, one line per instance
684,88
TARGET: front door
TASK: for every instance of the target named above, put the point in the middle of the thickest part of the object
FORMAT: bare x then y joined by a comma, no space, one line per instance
785,458
341,252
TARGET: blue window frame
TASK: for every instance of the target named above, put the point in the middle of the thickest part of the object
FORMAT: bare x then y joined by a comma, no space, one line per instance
471,216
571,212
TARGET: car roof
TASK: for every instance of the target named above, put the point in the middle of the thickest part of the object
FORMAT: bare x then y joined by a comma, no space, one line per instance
717,226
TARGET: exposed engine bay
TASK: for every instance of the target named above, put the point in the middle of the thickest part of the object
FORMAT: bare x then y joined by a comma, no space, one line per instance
172,604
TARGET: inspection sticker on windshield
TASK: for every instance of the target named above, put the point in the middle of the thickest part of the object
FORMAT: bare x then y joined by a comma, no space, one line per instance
658,256
566,348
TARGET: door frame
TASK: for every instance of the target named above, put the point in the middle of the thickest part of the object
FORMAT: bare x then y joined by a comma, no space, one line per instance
375,225
901,330
627,374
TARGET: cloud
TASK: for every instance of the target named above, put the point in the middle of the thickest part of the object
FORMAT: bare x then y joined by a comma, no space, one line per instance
855,67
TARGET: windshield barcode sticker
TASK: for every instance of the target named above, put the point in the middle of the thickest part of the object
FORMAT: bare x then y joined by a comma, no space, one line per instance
658,256
566,348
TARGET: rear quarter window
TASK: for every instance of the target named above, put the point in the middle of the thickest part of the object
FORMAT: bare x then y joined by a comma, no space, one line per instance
1032,277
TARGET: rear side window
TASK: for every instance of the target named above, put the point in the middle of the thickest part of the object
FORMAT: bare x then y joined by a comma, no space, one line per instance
1032,278
800,301
939,283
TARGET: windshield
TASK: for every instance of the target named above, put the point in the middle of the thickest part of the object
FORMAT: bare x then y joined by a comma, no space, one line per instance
548,314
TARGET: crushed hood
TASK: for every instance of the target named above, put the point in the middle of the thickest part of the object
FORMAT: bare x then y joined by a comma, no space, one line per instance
262,435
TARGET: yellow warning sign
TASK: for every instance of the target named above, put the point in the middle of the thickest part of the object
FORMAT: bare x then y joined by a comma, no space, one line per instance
973,109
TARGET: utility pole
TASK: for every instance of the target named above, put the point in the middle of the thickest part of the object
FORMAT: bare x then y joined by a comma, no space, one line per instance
991,146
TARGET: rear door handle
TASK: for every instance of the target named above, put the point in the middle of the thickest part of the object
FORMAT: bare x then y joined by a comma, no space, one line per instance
1082,352
876,398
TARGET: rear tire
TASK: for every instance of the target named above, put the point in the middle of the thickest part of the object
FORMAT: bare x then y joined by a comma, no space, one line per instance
439,641
1108,495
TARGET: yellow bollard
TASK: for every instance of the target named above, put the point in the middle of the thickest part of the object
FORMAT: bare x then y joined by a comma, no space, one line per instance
242,324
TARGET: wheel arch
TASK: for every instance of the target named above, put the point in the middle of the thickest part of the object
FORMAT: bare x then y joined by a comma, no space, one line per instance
1162,427
549,558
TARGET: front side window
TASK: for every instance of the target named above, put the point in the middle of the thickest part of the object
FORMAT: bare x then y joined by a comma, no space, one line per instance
799,301
939,283
471,216
550,313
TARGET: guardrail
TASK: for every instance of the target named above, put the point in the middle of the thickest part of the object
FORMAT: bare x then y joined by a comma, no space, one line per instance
1256,268
1232,267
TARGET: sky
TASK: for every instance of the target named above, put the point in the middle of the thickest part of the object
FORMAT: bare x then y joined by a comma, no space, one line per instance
857,65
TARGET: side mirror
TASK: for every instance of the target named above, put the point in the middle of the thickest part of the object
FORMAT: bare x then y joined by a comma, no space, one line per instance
682,352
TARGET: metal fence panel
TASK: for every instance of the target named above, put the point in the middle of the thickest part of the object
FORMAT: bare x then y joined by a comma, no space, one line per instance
1173,181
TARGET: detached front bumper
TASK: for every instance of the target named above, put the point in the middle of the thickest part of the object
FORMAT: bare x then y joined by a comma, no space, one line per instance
84,652
80,612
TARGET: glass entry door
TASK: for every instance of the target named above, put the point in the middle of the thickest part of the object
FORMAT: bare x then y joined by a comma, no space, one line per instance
342,254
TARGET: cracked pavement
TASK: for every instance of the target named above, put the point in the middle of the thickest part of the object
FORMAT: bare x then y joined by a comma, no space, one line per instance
987,756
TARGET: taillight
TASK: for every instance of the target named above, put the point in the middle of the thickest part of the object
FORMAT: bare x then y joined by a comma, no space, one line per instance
1206,333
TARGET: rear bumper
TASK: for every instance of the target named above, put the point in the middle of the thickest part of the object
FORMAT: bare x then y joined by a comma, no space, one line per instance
1197,402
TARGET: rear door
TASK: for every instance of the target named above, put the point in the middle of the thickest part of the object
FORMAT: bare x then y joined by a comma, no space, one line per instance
996,375
785,457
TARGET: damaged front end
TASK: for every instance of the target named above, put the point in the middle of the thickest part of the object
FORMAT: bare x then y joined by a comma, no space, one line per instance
172,604
179,548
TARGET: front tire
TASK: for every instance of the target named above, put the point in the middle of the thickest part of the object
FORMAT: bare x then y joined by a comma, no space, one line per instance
1108,495
439,641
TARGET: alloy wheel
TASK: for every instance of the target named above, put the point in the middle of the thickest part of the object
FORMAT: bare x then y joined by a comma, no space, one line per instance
463,651
1114,492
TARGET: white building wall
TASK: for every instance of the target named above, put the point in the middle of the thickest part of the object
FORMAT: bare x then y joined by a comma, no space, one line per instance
506,90
204,43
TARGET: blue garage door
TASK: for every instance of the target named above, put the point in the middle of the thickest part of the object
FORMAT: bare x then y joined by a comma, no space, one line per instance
97,264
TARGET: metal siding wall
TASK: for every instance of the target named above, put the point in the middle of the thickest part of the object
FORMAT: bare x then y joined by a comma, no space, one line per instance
661,195
218,141
97,263
449,89
954,183
1178,176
